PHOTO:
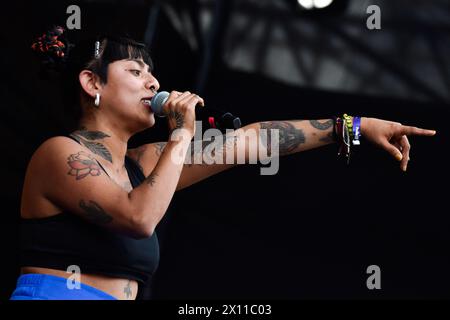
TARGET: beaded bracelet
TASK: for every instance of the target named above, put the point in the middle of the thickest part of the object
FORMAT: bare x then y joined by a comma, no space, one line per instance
349,124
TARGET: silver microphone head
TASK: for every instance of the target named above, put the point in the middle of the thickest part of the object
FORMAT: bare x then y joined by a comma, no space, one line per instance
158,102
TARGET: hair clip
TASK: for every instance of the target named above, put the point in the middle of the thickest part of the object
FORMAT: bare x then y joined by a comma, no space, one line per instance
97,49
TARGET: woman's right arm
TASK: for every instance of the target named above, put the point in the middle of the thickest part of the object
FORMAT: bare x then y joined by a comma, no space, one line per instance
72,180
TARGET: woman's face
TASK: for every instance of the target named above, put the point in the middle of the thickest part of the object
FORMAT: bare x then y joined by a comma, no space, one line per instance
129,82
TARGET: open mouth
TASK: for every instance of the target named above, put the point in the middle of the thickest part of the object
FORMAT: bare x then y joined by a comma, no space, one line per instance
147,101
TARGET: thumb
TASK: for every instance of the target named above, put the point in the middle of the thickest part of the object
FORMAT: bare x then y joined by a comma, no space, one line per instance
396,153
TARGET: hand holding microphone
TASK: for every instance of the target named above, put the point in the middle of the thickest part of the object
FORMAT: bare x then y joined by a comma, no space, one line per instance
178,107
163,103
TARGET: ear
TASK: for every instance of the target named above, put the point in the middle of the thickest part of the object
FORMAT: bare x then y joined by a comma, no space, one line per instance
90,83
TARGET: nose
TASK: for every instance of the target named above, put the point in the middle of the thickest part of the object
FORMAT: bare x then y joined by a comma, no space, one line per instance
152,84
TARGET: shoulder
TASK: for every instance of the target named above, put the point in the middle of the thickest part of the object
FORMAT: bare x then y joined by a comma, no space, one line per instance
47,170
55,153
56,145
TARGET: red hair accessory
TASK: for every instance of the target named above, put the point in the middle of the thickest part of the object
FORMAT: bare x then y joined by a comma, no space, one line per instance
50,43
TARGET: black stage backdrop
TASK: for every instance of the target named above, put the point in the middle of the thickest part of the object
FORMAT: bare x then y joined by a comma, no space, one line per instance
298,234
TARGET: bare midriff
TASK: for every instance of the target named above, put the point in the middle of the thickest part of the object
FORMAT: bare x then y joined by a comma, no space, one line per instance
122,289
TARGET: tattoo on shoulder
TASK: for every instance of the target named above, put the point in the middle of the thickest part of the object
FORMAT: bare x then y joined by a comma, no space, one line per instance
86,138
94,212
290,137
321,125
82,165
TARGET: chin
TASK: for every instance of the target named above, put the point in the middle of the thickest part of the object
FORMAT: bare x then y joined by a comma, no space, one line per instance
149,121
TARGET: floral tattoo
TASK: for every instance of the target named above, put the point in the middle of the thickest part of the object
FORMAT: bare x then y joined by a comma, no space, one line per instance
82,165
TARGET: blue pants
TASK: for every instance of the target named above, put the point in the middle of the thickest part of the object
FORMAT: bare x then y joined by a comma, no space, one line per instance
48,287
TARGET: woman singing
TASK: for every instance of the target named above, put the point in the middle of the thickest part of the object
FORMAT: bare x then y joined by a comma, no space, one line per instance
90,204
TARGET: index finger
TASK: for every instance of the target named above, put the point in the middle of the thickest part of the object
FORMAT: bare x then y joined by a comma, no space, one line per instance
407,130
201,101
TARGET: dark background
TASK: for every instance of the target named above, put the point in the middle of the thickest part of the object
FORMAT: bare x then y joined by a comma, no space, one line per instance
305,232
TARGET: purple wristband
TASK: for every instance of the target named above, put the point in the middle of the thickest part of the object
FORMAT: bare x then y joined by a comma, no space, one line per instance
356,130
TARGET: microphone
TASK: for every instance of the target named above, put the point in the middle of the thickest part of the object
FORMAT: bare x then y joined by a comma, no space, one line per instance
216,118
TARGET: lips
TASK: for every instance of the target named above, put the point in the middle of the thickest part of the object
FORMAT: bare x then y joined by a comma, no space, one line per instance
147,102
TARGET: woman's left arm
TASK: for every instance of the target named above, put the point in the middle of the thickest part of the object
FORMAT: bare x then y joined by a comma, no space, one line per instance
256,141
239,146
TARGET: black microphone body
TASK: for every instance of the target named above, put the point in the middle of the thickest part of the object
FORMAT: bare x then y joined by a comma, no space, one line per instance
216,118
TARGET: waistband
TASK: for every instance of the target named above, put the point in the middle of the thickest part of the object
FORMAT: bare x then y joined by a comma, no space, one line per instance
33,286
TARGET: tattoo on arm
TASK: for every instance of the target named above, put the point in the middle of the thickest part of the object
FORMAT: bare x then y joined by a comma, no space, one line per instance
324,126
290,137
159,147
82,164
179,118
86,138
198,154
321,125
151,178
210,150
94,212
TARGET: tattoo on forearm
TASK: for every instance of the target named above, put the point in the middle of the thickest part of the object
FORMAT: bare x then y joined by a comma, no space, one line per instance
324,126
290,137
85,138
197,153
151,179
218,147
211,150
94,212
179,118
127,290
82,164
321,125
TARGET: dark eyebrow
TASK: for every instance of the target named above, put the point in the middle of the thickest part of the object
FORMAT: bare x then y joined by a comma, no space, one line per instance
140,63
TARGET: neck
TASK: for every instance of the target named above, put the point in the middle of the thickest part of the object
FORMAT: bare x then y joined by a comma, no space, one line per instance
104,140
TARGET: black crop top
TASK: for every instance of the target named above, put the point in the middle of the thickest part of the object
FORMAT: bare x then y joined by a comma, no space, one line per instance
66,239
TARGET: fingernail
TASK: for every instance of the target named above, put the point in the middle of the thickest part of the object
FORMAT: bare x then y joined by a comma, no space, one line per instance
399,156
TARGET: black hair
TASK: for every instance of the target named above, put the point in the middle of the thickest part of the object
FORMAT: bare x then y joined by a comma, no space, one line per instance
94,54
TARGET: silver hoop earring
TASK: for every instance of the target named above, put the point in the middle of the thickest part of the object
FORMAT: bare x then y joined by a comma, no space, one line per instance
97,99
